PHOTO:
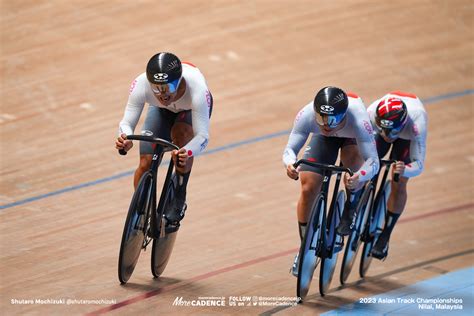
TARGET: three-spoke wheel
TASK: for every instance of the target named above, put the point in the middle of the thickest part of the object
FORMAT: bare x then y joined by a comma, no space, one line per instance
328,264
134,236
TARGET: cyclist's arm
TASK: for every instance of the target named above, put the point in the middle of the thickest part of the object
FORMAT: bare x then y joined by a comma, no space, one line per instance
133,110
200,117
417,147
295,142
368,151
298,136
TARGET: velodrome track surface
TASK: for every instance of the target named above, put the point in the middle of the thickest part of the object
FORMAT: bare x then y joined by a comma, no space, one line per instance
64,191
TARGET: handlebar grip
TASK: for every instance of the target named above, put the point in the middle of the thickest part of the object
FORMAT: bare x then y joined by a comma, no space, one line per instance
396,177
122,152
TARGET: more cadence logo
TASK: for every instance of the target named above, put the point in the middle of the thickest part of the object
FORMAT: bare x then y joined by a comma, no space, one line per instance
200,301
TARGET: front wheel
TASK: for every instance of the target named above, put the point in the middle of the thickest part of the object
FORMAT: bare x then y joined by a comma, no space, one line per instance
353,241
328,265
135,228
309,248
376,227
163,245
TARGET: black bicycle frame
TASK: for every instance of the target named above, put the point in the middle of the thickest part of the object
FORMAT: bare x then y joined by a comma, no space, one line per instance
325,251
378,196
328,170
156,221
386,164
158,152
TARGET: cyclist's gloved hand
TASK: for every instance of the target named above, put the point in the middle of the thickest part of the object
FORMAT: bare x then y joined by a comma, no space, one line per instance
123,143
180,157
292,172
352,183
399,167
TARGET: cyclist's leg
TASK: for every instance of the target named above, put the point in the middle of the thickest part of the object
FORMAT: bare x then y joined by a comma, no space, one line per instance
350,155
143,166
397,199
181,134
310,186
320,149
352,159
157,125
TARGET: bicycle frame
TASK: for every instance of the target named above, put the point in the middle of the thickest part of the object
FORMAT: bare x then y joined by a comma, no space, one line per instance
159,209
324,251
146,220
375,181
328,170
317,239
160,147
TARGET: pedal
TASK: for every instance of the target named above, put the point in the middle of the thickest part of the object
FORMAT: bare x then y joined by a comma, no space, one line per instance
338,245
355,242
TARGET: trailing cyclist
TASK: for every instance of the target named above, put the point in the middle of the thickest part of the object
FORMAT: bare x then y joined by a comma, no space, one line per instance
337,121
400,122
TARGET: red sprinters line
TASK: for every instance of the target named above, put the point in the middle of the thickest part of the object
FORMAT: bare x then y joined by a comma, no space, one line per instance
168,288
434,213
194,279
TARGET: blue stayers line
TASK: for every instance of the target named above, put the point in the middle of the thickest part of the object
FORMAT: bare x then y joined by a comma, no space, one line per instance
208,152
447,96
246,142
129,173
67,189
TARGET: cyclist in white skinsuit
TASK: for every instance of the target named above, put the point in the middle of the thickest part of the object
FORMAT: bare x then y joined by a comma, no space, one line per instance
400,122
337,121
179,110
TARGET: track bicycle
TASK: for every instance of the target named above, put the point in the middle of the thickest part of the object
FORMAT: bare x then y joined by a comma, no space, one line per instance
364,212
377,215
321,242
146,221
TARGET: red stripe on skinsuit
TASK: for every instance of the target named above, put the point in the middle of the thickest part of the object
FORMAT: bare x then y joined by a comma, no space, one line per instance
404,94
188,63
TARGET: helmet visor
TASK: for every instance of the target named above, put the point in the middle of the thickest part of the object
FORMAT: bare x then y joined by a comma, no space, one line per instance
391,133
166,88
331,121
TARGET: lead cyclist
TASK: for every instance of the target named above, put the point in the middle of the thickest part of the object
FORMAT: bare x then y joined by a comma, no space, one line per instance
179,110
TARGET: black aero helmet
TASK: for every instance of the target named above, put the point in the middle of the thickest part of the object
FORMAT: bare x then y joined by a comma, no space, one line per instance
164,69
330,105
